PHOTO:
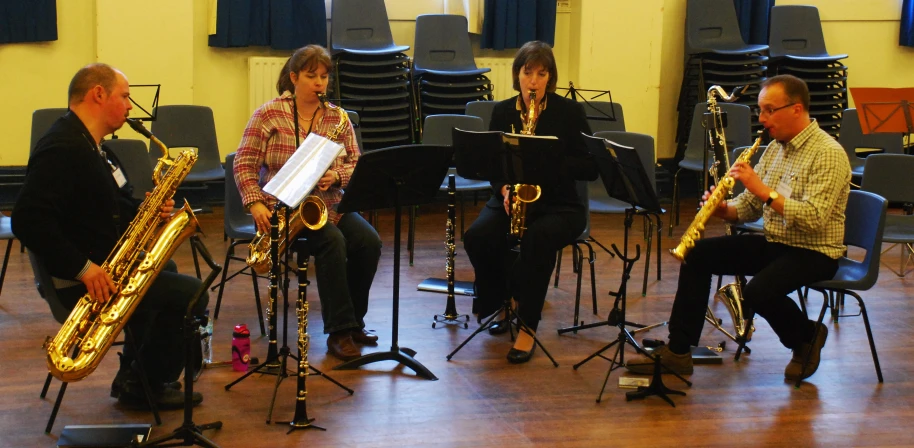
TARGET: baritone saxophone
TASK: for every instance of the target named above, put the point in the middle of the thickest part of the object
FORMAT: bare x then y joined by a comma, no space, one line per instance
134,263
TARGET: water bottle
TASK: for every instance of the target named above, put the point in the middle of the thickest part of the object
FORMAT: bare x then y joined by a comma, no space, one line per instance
208,340
241,348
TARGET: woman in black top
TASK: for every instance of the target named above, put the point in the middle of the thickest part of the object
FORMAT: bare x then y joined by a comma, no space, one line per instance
553,221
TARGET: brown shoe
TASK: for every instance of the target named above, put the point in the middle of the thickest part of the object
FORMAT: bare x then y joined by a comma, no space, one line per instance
363,336
340,344
671,362
795,366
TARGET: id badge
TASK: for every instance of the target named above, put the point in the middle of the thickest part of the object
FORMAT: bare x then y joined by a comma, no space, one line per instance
119,177
784,189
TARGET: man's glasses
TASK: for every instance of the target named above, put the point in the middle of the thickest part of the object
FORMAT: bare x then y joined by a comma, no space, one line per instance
759,111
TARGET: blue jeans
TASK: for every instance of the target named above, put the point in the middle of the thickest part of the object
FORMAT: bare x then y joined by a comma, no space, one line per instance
346,257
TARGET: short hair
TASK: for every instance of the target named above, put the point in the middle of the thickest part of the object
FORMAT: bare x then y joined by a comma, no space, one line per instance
307,57
535,53
795,88
97,74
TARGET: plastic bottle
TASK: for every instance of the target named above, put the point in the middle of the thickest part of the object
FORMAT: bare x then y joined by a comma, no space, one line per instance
241,348
208,340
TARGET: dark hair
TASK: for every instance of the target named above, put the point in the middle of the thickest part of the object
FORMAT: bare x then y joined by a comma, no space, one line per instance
88,77
305,58
535,53
795,88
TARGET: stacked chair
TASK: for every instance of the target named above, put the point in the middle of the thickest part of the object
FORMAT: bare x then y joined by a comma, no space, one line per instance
798,48
445,73
716,55
372,74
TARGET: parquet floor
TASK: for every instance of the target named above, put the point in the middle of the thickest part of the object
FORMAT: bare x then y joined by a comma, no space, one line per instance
480,399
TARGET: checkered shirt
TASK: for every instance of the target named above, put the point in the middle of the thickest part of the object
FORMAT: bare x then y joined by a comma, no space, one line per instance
268,142
816,168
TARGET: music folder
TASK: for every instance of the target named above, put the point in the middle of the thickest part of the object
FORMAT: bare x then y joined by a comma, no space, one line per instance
84,436
303,170
508,158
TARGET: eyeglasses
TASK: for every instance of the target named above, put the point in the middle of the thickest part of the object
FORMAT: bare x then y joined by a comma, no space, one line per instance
758,111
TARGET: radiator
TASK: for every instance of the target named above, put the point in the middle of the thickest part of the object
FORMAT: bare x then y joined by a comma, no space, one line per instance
262,75
500,76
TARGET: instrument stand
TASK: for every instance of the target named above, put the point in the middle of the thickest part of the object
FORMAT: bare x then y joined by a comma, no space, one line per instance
617,319
450,316
656,388
396,177
300,419
277,358
190,433
510,316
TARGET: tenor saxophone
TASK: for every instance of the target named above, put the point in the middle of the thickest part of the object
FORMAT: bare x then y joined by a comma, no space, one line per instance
133,265
524,193
694,232
311,214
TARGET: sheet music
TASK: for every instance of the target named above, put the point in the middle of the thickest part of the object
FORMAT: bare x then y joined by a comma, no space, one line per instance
303,170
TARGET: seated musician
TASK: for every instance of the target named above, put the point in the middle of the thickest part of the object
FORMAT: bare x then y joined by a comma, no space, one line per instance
553,221
347,248
72,209
800,187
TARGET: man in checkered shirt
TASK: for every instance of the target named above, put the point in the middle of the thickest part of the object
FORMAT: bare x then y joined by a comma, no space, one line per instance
800,188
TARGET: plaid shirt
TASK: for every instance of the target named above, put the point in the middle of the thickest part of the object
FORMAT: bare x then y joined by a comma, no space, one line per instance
815,167
268,142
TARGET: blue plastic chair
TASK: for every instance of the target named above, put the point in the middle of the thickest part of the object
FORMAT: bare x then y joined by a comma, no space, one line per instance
6,233
864,226
361,27
711,27
891,178
240,229
481,109
193,127
443,46
852,137
796,34
42,119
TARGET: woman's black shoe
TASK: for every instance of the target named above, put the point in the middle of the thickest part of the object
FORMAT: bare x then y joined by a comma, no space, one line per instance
516,356
499,327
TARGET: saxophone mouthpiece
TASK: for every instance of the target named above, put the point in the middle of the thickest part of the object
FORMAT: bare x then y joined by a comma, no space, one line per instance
137,126
322,97
532,96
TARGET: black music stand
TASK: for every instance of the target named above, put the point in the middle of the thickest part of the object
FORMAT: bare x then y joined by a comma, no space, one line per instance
396,177
190,433
624,179
507,159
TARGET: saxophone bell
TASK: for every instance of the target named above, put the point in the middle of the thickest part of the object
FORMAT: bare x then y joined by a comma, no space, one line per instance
731,295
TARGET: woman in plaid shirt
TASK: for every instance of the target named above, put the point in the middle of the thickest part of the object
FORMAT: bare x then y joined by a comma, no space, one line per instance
347,248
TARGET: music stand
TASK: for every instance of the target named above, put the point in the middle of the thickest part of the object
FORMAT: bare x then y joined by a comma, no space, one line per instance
507,159
624,179
885,110
395,177
190,433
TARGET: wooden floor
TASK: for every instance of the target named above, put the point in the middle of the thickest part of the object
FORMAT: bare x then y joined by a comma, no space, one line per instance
480,399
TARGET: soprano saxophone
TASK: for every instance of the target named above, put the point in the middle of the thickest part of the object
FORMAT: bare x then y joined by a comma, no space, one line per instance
135,262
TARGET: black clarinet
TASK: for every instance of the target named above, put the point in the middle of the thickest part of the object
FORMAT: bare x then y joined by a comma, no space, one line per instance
450,311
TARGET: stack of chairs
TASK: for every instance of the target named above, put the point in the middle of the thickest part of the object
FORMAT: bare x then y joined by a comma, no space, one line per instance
716,55
798,48
371,73
445,73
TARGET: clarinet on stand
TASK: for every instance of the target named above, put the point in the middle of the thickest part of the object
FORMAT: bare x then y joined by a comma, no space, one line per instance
450,315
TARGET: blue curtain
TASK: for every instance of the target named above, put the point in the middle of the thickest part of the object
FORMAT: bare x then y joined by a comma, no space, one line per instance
28,21
281,24
512,23
907,24
753,19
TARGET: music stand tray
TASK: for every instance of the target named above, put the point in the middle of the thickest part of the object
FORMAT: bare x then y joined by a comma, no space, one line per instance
393,178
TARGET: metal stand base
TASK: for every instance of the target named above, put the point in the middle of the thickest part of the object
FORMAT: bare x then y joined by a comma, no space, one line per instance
511,315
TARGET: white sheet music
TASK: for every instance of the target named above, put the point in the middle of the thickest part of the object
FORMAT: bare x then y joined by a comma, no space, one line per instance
303,170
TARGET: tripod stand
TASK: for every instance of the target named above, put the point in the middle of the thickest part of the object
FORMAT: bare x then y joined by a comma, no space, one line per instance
190,433
279,357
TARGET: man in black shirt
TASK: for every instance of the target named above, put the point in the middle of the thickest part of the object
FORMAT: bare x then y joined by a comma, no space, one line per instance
74,206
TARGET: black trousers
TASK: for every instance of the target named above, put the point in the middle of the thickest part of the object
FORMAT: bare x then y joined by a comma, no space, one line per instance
501,274
776,270
157,323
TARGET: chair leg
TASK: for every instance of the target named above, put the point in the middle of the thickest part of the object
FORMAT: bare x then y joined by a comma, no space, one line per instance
674,220
63,390
6,259
593,281
193,251
869,334
647,253
228,258
659,244
558,268
411,233
256,285
577,259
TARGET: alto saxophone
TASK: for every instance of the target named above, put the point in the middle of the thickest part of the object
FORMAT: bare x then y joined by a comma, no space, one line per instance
311,214
133,265
524,193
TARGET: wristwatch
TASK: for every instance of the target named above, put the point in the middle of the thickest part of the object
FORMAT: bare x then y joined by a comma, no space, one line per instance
772,196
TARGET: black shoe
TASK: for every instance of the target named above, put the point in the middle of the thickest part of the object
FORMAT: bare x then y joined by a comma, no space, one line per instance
499,327
516,356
